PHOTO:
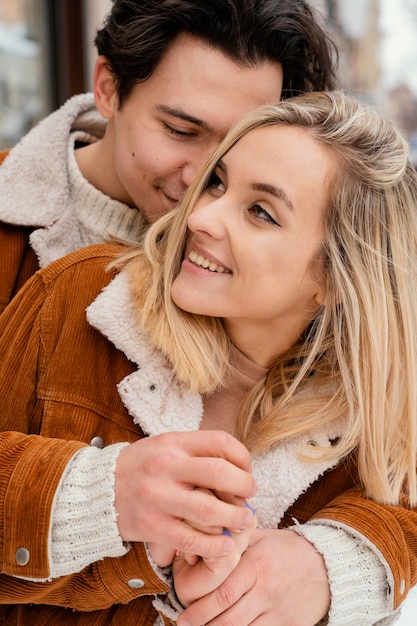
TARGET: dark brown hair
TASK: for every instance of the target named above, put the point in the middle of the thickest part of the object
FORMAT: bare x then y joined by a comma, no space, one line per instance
138,32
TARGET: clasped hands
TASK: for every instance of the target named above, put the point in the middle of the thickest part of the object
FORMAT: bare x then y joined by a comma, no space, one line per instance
165,496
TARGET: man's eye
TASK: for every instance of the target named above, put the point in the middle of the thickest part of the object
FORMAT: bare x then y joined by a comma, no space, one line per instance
257,211
179,133
215,182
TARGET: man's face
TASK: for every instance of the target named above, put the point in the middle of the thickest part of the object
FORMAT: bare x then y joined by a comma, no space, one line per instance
171,123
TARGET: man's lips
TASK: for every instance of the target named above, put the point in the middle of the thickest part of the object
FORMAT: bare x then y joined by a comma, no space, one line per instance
173,198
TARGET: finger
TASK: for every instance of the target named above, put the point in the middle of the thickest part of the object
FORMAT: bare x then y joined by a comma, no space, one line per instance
206,512
211,530
242,537
252,526
247,612
214,443
161,554
200,508
189,541
189,558
216,474
220,601
211,473
229,497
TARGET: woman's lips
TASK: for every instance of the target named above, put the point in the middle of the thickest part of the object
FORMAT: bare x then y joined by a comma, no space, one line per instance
202,261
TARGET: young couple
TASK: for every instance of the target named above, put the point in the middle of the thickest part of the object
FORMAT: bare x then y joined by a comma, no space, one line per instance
255,352
273,306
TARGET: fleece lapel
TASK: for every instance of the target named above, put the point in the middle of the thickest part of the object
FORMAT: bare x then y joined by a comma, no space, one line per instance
153,397
282,477
159,404
29,168
35,189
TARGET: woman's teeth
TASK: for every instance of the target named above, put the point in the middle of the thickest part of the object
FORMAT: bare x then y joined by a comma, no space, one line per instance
202,262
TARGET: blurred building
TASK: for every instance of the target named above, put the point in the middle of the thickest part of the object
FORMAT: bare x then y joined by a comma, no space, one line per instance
357,29
354,25
46,56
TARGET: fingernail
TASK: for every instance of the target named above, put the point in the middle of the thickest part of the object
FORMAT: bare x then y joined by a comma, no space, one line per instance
226,532
249,515
183,622
248,506
228,546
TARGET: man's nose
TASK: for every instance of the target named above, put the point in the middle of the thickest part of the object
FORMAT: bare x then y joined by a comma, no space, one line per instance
189,172
195,162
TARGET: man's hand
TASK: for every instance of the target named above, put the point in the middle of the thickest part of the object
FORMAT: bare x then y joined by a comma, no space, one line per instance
156,480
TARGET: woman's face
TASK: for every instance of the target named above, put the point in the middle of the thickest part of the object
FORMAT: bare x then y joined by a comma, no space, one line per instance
254,239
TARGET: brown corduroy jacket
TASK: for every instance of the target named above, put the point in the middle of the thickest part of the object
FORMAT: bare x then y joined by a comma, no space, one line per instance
58,378
18,261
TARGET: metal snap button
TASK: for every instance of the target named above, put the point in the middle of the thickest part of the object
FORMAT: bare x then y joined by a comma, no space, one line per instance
22,556
97,442
136,583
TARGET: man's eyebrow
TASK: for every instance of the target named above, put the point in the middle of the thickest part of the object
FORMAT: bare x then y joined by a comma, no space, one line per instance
182,115
275,191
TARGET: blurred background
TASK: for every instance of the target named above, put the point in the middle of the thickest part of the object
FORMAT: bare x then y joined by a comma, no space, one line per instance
47,55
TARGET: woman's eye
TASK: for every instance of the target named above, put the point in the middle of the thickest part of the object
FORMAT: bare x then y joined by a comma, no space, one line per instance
215,182
257,211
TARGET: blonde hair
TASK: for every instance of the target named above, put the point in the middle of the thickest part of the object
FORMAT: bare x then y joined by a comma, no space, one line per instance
358,357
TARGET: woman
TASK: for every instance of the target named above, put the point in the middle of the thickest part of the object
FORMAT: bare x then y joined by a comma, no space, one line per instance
276,304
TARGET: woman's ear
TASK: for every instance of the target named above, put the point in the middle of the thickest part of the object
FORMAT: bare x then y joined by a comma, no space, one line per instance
325,297
322,297
105,93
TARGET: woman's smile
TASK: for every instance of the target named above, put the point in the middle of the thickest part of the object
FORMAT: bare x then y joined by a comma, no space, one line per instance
201,261
255,235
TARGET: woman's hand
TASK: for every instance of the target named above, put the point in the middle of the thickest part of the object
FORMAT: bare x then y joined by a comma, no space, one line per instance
163,554
281,579
194,579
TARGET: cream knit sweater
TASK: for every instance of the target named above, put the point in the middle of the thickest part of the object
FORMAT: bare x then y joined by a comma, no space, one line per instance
42,186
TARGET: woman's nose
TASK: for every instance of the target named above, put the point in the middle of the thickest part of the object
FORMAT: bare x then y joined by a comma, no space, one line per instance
210,218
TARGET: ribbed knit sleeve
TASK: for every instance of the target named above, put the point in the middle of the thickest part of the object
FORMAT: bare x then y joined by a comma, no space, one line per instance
359,580
84,524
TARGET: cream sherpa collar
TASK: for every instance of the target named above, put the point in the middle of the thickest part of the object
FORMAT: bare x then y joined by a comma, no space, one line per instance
159,404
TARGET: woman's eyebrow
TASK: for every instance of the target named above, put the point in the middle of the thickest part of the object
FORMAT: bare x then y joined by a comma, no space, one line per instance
274,191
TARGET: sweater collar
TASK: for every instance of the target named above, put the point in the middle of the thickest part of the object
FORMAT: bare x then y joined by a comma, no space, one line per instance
29,168
43,187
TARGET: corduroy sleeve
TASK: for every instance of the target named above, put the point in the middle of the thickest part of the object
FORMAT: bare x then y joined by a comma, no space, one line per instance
391,529
31,470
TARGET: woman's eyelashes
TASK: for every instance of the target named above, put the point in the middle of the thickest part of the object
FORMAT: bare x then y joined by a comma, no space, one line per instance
215,183
259,212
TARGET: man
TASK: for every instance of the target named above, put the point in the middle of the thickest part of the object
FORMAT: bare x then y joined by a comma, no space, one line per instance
171,78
